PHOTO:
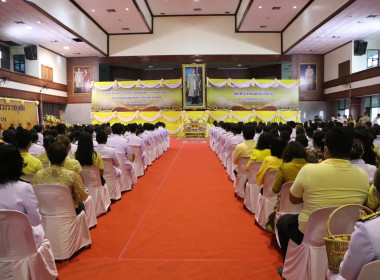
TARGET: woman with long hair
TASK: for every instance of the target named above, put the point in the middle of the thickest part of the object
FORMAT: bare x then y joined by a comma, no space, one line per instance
86,154
262,149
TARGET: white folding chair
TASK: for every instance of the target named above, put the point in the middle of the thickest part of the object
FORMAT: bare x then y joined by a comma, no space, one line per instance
252,190
113,183
138,164
19,257
125,179
99,193
267,200
230,162
308,261
286,207
66,231
89,210
242,176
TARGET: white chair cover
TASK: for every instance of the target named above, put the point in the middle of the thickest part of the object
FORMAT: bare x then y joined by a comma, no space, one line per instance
125,179
66,231
241,177
19,258
230,162
99,193
113,183
138,164
308,261
252,190
370,271
267,200
89,209
286,207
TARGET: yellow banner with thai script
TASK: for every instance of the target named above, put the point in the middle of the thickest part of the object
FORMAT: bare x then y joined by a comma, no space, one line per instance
17,111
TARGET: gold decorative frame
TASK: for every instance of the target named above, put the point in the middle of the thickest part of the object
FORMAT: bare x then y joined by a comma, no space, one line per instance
82,82
198,101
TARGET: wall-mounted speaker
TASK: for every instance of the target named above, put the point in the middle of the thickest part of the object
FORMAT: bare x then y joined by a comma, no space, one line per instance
31,52
360,47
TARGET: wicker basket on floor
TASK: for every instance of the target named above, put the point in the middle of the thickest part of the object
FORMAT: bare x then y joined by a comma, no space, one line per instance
337,245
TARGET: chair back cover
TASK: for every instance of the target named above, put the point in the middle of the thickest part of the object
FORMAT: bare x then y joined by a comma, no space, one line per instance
316,227
19,257
91,176
138,163
66,231
286,207
269,178
253,169
126,183
370,271
113,182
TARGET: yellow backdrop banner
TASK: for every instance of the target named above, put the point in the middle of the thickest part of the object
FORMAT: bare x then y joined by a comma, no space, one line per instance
17,111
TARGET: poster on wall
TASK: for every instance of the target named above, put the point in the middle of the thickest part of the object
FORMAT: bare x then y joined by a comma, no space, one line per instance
308,77
82,79
136,96
15,111
193,89
222,96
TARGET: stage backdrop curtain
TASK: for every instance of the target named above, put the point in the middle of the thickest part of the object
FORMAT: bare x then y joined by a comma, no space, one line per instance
18,111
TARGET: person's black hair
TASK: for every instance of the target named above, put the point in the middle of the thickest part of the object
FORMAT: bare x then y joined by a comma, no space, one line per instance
23,138
366,137
248,132
34,137
258,129
11,164
264,141
49,139
101,137
85,149
285,136
302,139
309,131
54,132
133,127
64,140
319,138
89,128
117,128
277,147
293,150
376,180
61,128
38,128
339,141
357,149
57,152
9,136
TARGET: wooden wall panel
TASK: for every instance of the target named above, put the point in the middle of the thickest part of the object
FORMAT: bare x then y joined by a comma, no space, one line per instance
27,95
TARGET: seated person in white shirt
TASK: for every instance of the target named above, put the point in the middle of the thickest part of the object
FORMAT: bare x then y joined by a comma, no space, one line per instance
107,152
133,139
38,128
16,194
356,155
35,149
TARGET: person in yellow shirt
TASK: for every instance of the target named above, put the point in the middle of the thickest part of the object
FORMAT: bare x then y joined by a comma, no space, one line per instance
245,149
69,163
262,149
333,182
24,141
273,161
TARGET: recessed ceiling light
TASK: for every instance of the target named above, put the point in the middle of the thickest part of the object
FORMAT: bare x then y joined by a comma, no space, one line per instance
38,22
28,27
126,9
294,7
360,21
150,66
66,48
260,7
92,10
4,1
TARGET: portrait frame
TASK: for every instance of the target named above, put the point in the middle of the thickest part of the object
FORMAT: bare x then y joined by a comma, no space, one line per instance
193,92
308,77
82,79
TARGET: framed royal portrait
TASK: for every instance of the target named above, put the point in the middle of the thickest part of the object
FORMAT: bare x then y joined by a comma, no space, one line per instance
82,79
308,77
193,88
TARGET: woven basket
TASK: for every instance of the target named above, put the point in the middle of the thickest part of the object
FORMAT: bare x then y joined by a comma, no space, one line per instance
337,245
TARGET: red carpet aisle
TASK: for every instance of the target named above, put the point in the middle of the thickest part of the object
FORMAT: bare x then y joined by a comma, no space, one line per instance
181,221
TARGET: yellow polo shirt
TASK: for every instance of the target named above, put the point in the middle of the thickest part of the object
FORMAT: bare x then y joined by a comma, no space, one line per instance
32,164
333,182
97,160
244,149
287,172
258,155
269,163
43,158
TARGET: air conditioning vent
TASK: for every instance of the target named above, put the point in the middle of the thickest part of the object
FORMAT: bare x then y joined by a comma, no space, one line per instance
77,40
125,28
19,22
276,8
111,10
197,9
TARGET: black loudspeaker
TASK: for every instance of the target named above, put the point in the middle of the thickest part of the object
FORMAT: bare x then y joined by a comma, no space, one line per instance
360,47
31,52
